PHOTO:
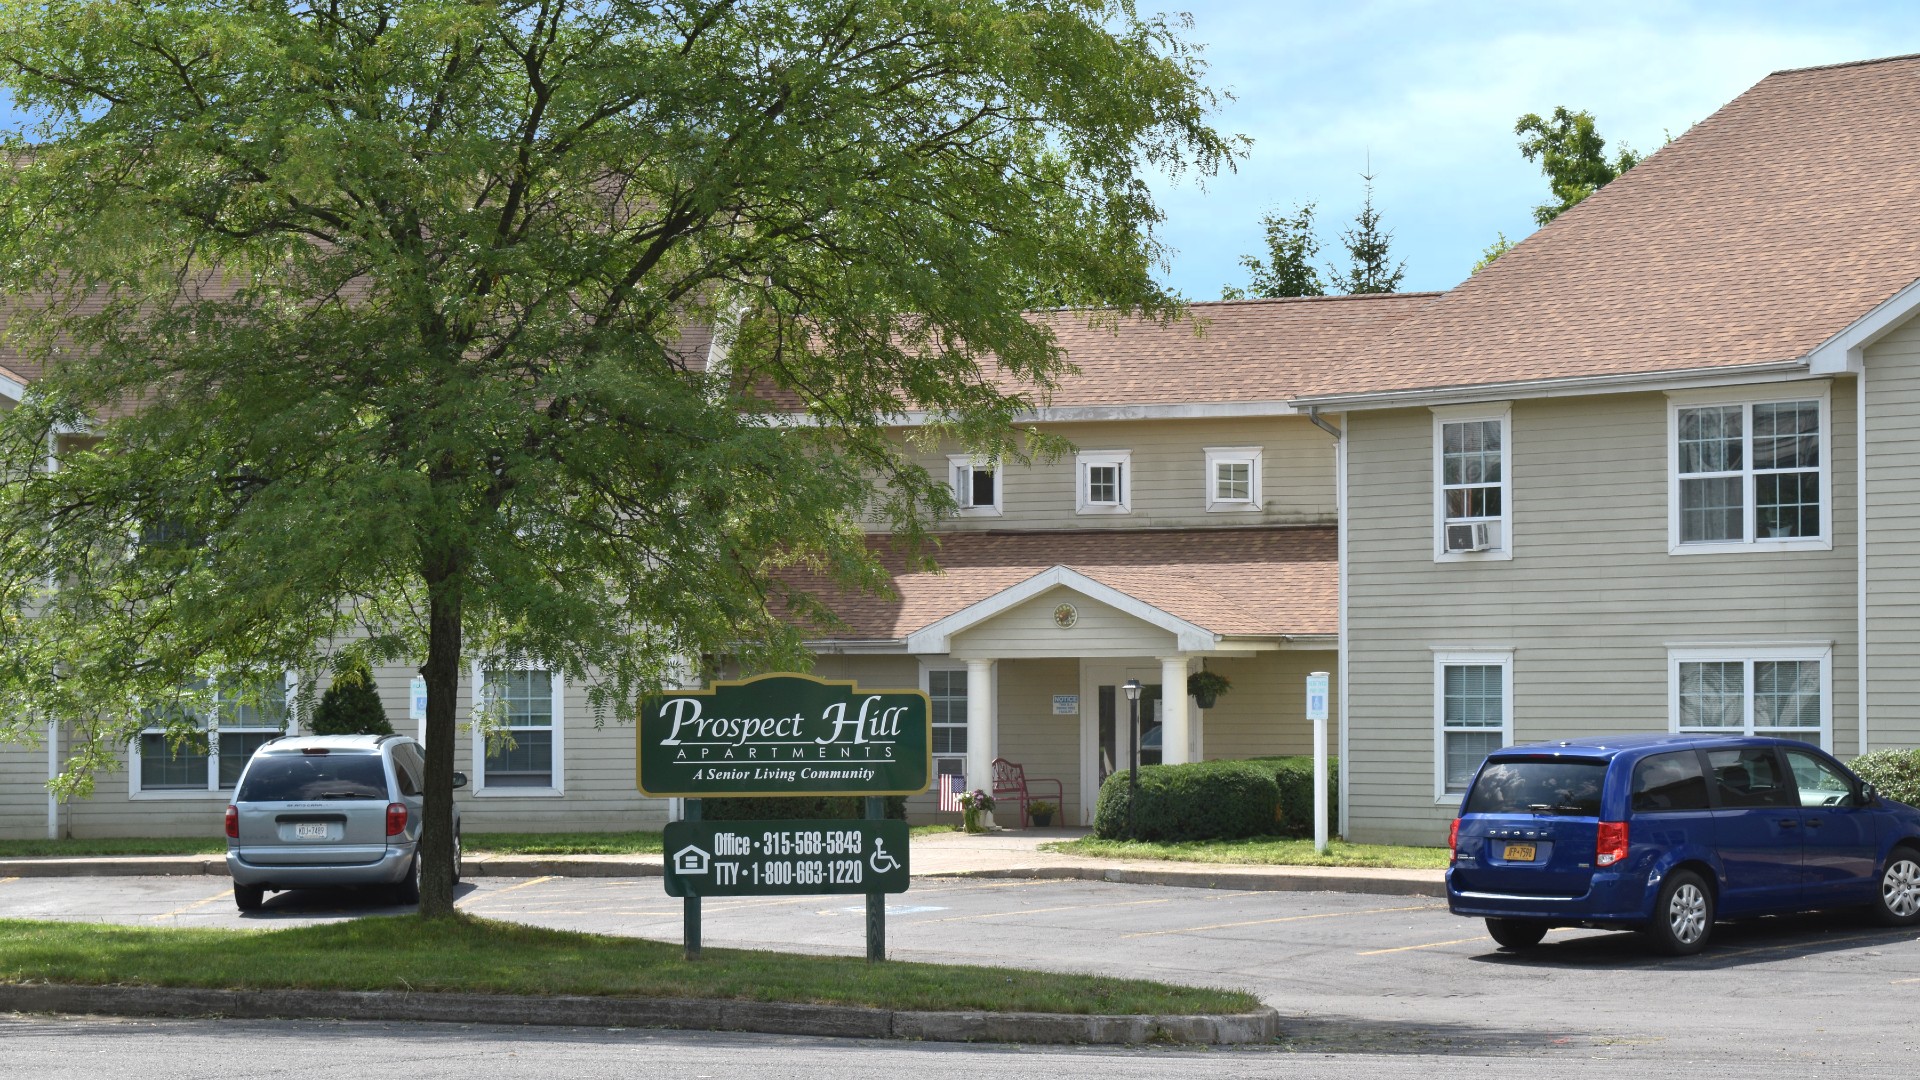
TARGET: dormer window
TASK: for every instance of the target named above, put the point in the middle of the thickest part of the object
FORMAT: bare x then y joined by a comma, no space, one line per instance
1233,479
976,485
1105,482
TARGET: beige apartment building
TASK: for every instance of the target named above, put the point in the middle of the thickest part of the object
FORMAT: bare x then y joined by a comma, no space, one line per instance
1655,469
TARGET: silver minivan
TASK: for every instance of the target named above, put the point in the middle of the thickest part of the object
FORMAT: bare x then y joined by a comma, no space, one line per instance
322,810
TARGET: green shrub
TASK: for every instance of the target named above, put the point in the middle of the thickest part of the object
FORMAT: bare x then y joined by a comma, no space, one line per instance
351,706
1896,773
1207,800
1294,775
797,808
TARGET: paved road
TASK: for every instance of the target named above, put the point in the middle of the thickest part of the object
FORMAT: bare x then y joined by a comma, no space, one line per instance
1371,975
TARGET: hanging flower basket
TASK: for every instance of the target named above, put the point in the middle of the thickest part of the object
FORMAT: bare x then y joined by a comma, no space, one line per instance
1206,687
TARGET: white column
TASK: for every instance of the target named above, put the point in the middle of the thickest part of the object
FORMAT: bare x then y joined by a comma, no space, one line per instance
1174,748
982,729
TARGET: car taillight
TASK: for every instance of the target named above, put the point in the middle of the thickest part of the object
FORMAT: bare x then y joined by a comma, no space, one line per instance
1612,845
396,818
1453,838
233,822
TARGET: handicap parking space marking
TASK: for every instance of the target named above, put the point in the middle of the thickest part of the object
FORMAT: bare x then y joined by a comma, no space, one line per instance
1284,919
221,895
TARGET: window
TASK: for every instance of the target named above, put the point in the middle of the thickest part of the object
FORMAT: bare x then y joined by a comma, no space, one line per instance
1785,693
1749,475
231,723
1233,479
1472,485
1748,777
1820,782
947,693
976,485
1106,480
1669,782
530,716
1473,706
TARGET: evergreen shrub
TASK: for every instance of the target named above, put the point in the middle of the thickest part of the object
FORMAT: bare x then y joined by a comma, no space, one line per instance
1294,775
351,705
1896,773
1205,800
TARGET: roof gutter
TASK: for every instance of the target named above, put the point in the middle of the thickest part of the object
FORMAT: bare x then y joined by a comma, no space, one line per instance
1568,387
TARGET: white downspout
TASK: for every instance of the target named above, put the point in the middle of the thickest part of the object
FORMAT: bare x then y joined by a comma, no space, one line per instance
53,773
1340,540
1860,539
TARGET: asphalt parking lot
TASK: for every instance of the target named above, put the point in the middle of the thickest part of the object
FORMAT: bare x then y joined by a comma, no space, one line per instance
1352,972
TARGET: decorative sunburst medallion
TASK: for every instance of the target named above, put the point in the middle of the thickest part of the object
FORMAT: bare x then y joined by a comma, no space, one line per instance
1065,616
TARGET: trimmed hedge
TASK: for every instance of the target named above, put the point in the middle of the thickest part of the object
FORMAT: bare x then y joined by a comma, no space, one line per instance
1207,800
797,808
1896,773
1294,775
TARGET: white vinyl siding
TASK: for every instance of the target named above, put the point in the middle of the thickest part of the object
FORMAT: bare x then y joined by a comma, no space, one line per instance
1786,692
1472,483
1473,715
1747,475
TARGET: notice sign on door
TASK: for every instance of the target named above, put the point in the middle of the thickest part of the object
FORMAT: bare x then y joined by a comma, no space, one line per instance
784,735
1066,704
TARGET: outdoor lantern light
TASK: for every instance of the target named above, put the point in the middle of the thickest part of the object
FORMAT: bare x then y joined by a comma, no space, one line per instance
1132,687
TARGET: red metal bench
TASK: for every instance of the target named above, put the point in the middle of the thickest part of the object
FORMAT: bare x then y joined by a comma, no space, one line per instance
1010,782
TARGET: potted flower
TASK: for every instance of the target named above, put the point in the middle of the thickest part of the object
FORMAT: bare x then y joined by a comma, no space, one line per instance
972,804
1041,811
1207,686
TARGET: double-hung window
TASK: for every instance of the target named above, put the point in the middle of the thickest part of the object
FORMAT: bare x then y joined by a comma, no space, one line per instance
1105,481
947,694
1473,707
976,485
1233,479
526,710
1750,475
1786,692
1472,483
230,722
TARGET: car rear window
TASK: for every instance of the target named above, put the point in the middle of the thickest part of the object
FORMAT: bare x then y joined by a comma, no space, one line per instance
299,777
1541,786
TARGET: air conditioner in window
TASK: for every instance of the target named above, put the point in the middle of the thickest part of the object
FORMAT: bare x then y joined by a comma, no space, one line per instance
1478,536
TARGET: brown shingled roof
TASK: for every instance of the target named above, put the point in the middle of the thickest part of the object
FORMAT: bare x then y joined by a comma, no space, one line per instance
1258,582
1766,229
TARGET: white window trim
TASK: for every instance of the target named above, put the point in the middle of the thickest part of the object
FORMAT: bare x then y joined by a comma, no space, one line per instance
213,790
1227,455
1748,654
927,668
1502,412
558,687
1449,657
971,462
1746,397
1085,461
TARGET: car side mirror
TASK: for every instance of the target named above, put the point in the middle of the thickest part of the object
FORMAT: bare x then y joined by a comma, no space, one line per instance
1868,796
459,780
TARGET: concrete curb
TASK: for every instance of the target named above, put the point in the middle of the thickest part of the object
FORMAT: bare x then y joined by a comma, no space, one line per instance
1249,880
691,1015
1295,879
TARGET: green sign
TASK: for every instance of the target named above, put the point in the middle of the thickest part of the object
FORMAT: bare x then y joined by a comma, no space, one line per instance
784,735
785,858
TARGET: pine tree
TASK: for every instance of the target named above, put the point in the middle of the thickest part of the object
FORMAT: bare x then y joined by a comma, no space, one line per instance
1369,250
351,706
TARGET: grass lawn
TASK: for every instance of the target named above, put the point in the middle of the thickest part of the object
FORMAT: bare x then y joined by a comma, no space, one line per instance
1265,850
481,956
191,845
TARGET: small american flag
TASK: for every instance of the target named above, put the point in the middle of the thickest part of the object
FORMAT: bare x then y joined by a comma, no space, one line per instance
952,786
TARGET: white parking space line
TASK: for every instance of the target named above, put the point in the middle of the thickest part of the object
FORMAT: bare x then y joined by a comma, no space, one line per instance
1428,945
221,895
8,880
477,897
1283,919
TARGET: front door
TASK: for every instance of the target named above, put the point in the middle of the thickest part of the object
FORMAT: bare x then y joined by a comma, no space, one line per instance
1106,735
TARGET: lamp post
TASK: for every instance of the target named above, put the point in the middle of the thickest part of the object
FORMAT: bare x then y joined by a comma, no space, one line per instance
1132,687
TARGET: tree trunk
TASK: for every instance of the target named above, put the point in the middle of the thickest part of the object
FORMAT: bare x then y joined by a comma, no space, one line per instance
442,674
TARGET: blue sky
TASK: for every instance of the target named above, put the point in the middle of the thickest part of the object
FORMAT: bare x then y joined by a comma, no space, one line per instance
1430,92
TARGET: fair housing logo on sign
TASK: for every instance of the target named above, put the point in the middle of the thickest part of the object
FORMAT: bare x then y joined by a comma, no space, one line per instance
784,734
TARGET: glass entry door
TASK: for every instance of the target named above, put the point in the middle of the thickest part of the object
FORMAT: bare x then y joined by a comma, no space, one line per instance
1115,728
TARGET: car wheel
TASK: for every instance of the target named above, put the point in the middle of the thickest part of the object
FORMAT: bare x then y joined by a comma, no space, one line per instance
249,897
1897,903
1683,915
408,891
1517,933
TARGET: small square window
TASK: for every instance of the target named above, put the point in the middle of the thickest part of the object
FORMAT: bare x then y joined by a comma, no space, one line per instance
976,486
1105,482
1233,479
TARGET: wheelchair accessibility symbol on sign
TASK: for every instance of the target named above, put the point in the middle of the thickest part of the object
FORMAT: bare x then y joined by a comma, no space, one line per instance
879,854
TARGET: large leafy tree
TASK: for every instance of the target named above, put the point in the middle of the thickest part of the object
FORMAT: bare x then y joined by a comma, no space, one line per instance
365,323
1288,269
1572,155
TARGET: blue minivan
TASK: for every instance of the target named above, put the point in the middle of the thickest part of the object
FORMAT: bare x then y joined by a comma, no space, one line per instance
1667,833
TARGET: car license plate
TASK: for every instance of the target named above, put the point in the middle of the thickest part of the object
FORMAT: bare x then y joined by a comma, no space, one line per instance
319,832
1519,853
